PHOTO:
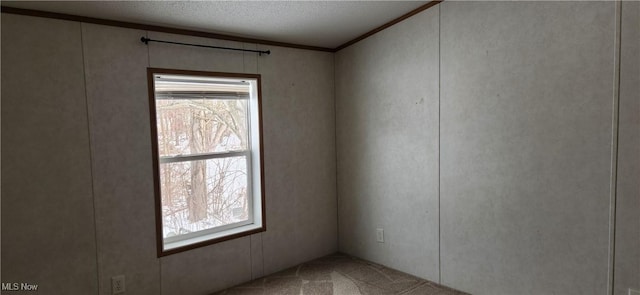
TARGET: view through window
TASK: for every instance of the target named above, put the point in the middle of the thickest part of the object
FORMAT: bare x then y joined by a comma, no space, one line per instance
207,142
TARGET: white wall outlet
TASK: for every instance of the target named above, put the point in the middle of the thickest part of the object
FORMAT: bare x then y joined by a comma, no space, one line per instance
117,284
380,235
634,292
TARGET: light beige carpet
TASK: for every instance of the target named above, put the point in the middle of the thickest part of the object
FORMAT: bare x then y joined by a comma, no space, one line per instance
339,274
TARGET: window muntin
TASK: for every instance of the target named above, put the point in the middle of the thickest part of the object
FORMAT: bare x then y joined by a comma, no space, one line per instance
208,157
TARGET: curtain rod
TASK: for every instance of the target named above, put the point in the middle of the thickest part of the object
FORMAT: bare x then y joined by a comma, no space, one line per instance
146,40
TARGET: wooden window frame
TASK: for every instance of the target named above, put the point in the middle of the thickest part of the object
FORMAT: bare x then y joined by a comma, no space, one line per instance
255,175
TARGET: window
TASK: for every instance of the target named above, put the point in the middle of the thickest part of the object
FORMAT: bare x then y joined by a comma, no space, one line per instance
206,139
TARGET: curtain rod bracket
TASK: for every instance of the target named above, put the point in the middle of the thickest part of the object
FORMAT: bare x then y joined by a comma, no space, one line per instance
146,40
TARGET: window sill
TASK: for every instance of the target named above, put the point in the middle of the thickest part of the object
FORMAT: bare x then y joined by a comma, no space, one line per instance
208,239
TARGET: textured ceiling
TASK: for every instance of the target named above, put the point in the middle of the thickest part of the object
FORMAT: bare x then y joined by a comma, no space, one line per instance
314,23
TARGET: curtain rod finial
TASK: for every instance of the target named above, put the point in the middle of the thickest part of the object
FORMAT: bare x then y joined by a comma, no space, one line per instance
144,40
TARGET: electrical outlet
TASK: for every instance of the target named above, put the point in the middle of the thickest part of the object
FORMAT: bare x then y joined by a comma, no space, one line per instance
117,284
634,292
380,235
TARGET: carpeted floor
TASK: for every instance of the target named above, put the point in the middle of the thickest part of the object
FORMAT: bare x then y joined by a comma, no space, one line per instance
339,274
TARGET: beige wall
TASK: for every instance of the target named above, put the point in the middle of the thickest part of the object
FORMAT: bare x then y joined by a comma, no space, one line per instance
387,135
48,232
523,147
86,118
526,120
627,266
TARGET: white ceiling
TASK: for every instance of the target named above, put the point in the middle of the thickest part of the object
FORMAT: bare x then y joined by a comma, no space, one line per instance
315,23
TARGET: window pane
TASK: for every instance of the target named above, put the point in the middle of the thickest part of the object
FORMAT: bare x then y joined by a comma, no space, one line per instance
195,126
199,195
